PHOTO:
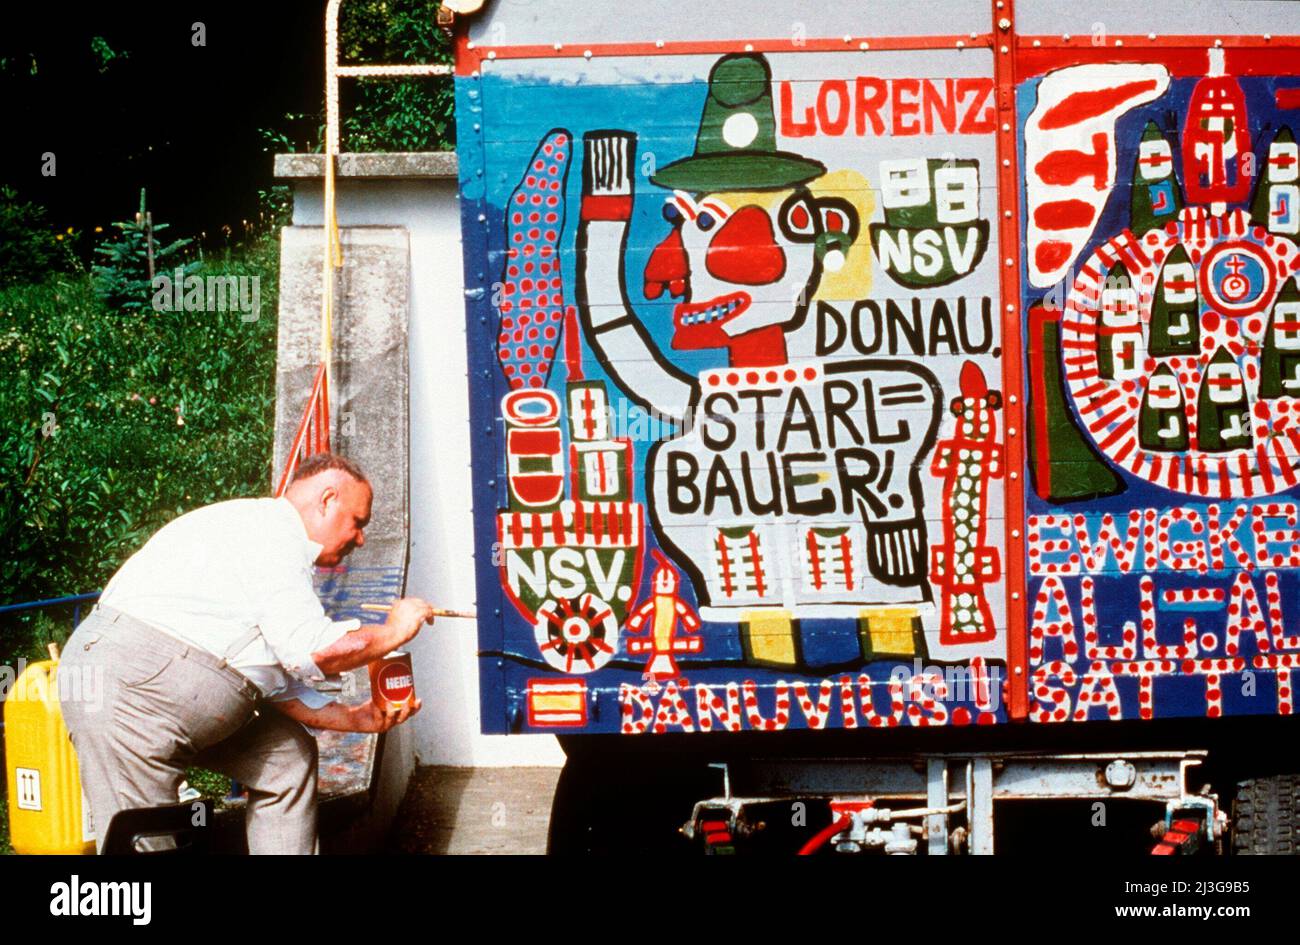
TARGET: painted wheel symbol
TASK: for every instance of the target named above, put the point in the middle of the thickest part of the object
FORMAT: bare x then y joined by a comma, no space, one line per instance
1237,283
576,634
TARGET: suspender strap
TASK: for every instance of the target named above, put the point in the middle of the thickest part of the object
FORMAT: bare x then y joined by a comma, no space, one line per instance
241,644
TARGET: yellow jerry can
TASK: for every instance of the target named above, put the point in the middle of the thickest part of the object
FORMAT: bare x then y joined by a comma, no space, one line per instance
47,810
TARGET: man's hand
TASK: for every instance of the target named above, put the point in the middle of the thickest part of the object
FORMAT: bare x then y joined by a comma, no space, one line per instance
406,618
369,643
376,719
338,717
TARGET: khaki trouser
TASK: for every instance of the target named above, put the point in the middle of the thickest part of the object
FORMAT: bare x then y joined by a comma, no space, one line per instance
162,705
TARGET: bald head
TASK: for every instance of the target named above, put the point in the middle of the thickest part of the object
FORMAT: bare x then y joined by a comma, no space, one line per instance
333,501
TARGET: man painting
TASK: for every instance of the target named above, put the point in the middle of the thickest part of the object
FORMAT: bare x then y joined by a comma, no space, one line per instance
206,641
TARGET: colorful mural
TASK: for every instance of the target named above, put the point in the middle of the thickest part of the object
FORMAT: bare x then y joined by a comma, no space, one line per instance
1162,539
753,317
765,360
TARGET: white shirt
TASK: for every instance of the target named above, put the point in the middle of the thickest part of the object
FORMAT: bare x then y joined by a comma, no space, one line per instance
211,575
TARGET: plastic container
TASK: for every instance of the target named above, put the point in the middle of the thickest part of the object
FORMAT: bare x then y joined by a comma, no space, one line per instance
47,811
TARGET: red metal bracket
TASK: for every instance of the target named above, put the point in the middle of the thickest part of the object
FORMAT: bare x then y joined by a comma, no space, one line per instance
1004,82
313,434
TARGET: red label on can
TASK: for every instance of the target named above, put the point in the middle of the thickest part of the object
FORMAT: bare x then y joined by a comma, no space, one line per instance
392,681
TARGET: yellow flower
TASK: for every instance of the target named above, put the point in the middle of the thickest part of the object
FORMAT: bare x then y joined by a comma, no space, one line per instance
59,237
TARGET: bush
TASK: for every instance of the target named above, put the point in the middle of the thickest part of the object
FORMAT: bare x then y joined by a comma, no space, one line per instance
114,422
383,114
396,114
29,249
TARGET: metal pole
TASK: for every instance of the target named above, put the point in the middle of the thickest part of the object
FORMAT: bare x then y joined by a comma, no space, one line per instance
979,805
936,795
332,253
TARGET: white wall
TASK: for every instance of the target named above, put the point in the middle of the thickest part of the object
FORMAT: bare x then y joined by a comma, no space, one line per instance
446,732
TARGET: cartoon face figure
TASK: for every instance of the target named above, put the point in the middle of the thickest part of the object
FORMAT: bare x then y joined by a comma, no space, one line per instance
1163,424
1117,348
742,262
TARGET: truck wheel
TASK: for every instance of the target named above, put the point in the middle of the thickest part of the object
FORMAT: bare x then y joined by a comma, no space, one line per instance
1266,817
618,806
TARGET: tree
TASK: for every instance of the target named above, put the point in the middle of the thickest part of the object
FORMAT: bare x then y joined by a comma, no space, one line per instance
125,279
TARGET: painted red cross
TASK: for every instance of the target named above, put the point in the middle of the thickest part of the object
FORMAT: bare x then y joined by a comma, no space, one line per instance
1282,161
1179,284
1154,159
1235,264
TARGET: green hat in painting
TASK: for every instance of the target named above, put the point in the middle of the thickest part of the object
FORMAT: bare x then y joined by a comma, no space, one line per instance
736,145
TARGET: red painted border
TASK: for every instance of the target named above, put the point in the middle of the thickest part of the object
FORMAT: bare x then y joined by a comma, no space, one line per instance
1004,80
470,56
1182,55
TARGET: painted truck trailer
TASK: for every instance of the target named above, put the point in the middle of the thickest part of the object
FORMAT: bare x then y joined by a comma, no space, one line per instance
892,408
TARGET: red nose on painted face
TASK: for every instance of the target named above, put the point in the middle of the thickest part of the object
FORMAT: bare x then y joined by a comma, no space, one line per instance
668,266
744,251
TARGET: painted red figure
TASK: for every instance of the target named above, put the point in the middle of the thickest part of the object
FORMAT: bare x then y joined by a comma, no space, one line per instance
963,563
1215,139
664,611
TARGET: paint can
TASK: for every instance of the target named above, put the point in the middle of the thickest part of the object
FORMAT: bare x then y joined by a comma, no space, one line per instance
392,682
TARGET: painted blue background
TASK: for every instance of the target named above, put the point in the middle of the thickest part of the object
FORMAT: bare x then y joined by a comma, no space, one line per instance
1118,595
500,122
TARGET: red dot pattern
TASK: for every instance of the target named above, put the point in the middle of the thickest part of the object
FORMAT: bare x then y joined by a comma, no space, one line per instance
672,711
1052,703
925,694
780,718
1108,407
1098,691
816,715
848,708
532,306
637,710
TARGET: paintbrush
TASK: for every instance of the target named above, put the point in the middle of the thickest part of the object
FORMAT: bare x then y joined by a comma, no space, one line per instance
437,611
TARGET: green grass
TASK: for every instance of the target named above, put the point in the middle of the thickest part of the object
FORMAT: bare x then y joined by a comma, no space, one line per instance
211,784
